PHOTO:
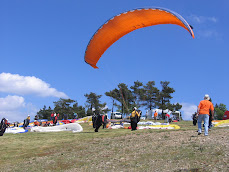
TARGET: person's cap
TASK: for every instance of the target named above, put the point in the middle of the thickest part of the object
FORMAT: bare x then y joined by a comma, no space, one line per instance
135,108
206,97
28,115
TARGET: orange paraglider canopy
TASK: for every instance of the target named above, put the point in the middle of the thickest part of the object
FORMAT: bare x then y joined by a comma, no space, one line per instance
125,23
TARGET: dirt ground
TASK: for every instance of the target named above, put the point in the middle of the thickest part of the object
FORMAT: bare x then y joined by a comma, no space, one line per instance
163,151
122,150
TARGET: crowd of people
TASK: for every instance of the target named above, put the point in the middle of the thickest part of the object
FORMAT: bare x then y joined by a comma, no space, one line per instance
204,113
4,122
99,120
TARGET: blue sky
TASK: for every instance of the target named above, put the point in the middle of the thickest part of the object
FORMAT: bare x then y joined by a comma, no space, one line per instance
42,46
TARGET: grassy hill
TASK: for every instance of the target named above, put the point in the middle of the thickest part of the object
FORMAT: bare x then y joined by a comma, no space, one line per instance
117,150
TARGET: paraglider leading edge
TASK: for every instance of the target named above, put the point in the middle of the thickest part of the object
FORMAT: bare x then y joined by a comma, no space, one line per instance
126,22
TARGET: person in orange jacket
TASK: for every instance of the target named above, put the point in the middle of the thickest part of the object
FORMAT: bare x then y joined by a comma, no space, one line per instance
104,121
203,114
155,115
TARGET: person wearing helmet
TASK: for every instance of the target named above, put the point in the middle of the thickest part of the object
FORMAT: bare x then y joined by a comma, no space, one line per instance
134,119
204,108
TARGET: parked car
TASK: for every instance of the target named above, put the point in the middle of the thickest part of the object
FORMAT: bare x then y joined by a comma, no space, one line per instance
116,115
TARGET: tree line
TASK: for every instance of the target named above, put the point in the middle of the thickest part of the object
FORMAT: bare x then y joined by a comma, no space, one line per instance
124,98
219,109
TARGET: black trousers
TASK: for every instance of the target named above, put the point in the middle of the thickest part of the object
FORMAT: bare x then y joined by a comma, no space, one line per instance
94,122
104,125
133,125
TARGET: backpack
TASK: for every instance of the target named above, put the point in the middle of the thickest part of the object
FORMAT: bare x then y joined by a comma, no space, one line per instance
139,117
136,118
2,127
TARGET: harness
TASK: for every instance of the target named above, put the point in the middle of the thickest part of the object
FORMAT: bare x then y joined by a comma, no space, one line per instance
3,127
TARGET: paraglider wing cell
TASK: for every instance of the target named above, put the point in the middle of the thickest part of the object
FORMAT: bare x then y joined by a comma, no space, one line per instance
125,23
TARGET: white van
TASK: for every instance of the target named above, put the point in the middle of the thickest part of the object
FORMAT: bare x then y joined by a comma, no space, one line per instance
116,115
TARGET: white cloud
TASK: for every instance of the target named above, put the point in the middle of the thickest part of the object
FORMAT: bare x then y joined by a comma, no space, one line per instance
14,108
187,110
208,33
13,116
204,26
25,85
203,19
11,103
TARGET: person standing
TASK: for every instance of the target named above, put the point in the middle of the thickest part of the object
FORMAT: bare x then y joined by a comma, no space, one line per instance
134,119
203,114
3,126
52,116
93,118
210,117
97,121
194,119
155,115
167,116
36,123
104,121
26,122
75,115
55,119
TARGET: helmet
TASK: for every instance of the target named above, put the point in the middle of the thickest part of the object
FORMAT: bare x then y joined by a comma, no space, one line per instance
135,108
206,97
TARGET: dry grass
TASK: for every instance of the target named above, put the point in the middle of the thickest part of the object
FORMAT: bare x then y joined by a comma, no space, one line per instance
117,150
